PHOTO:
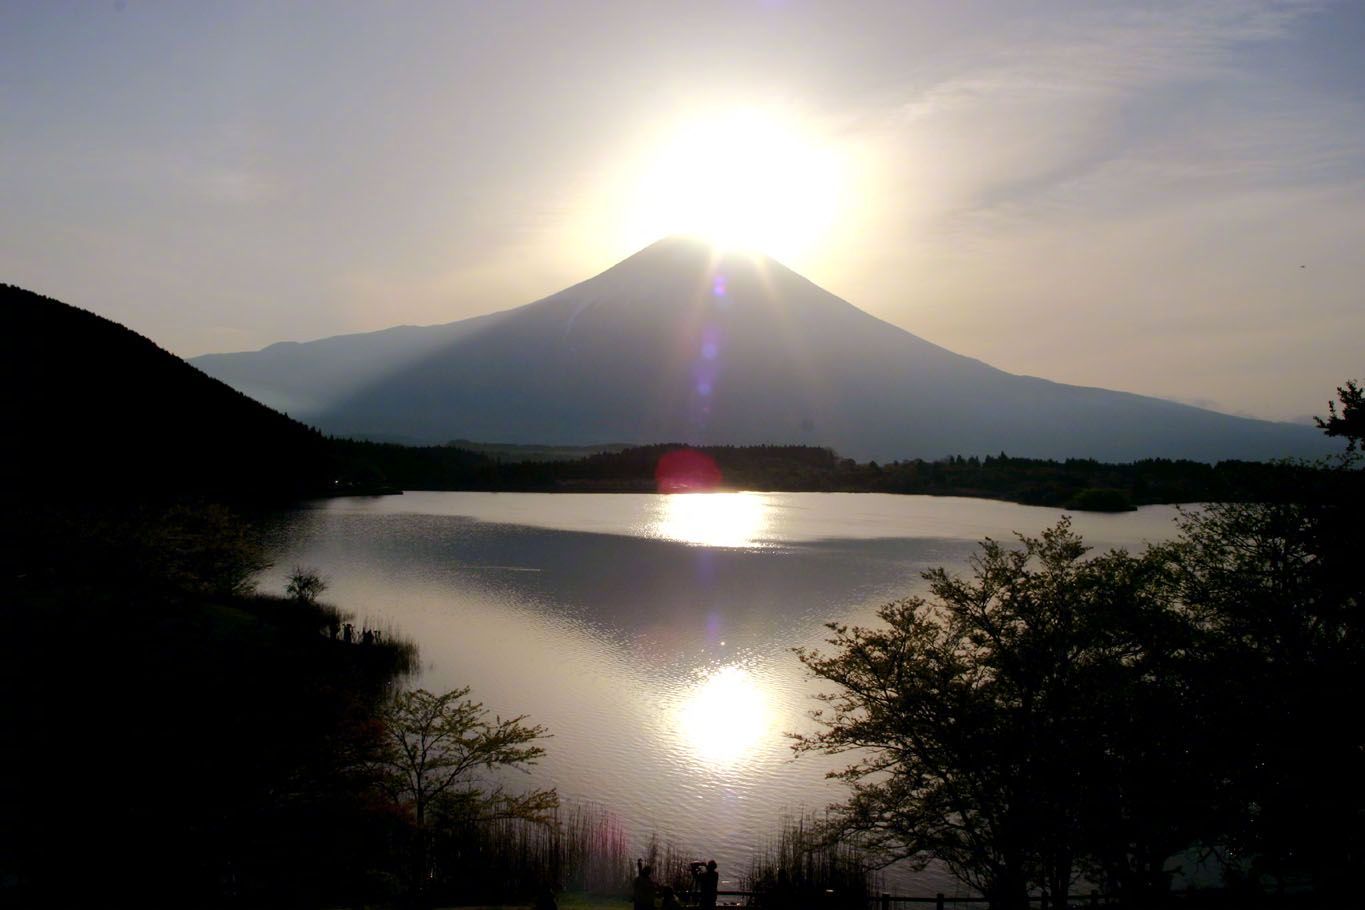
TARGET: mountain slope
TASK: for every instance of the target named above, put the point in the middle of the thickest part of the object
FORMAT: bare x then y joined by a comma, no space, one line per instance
674,344
93,408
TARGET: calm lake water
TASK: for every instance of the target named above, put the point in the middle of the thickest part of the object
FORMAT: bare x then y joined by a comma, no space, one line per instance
652,634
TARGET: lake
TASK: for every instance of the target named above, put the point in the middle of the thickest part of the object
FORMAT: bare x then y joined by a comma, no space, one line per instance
652,634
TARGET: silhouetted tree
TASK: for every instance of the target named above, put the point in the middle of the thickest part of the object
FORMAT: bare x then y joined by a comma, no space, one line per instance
204,548
1350,423
980,715
305,585
438,749
1277,592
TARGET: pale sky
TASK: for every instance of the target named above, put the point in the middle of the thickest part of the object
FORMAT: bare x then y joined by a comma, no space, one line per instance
1165,198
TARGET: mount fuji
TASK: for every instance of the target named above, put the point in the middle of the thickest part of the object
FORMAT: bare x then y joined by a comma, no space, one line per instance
680,344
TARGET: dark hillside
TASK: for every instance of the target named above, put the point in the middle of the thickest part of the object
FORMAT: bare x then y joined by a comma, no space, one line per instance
173,739
91,406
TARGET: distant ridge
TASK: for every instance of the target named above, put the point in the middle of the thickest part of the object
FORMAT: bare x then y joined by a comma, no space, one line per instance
93,409
677,343
515,452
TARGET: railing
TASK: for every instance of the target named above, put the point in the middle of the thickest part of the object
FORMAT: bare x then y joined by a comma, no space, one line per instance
942,901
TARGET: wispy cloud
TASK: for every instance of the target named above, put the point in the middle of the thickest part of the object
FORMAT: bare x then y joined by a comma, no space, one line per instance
1100,96
1129,197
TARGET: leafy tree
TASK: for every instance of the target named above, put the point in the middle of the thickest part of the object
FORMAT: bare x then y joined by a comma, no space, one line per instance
981,717
305,585
1350,423
1277,592
202,548
440,751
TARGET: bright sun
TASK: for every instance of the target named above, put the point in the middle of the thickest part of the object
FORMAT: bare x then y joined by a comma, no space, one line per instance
745,179
725,716
714,519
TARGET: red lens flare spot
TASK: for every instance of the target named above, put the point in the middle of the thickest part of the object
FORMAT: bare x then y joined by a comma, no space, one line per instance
687,471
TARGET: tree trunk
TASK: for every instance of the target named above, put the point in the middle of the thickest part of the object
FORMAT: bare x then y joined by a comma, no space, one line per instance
1009,891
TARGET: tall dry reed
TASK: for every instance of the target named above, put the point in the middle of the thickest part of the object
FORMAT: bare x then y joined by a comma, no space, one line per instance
802,867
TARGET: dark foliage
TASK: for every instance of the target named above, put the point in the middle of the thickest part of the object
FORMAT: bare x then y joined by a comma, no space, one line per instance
172,738
979,717
1349,422
1080,484
437,754
1276,592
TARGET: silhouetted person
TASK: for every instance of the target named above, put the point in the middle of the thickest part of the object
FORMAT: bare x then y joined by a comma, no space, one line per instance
670,900
642,892
709,882
376,636
348,633
333,627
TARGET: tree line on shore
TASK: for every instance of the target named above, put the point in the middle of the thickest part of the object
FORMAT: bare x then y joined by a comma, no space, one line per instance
1079,483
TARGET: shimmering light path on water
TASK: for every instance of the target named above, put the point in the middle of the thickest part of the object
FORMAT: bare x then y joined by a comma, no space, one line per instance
652,634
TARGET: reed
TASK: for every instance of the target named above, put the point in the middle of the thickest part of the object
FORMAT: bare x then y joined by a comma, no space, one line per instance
582,848
802,867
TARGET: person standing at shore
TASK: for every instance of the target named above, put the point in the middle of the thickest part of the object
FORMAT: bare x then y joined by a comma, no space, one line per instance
709,882
642,892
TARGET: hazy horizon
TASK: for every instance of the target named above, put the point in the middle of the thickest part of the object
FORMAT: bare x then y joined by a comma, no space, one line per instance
1164,201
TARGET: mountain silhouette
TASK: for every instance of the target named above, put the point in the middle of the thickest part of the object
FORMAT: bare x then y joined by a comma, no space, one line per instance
95,409
680,344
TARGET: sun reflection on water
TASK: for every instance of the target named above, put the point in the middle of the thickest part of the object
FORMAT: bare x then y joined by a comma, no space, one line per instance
714,519
724,716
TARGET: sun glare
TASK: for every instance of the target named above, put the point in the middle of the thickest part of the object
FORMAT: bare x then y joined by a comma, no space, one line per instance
724,716
747,179
713,519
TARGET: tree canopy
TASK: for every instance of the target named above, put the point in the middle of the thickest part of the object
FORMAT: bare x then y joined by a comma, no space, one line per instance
1058,713
1350,422
978,713
438,744
439,763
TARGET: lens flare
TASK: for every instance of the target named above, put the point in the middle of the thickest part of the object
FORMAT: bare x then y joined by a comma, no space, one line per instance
686,471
